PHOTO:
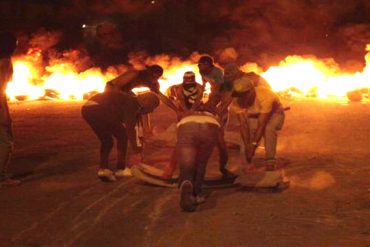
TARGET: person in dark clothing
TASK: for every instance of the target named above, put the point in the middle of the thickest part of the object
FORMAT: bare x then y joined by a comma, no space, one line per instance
141,78
114,114
215,77
8,44
137,78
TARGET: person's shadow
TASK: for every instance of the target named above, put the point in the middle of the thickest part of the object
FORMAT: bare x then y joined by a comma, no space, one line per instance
25,166
213,195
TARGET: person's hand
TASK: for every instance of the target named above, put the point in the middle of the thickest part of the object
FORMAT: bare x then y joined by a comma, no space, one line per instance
135,159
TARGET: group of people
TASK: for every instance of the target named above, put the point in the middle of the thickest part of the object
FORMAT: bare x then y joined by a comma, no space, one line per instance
117,113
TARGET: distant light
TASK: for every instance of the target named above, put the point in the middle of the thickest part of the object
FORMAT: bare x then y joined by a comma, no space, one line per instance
84,25
152,2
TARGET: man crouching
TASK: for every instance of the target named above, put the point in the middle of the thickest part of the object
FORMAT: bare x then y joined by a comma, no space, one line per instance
197,135
114,114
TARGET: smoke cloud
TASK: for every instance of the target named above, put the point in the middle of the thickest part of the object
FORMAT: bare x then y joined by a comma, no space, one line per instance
262,32
267,31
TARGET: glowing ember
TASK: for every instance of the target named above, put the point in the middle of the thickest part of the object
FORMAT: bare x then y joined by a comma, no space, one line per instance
295,76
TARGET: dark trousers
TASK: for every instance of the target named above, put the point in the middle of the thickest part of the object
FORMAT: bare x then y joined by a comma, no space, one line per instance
107,126
195,143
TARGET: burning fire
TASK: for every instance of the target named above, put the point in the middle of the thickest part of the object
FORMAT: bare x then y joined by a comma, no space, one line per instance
295,76
318,78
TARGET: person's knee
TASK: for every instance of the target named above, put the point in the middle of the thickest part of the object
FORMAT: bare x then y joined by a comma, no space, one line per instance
186,161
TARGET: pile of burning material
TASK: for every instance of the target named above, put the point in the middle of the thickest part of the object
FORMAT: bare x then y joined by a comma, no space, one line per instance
42,74
51,94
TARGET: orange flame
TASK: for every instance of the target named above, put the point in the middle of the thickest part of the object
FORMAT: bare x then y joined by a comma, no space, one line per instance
295,75
313,77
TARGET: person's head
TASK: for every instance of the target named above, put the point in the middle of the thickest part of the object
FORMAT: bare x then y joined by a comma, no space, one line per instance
8,43
205,64
246,99
148,102
244,93
155,71
189,79
232,72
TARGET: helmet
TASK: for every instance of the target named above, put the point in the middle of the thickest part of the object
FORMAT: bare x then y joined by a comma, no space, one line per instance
148,102
206,59
155,69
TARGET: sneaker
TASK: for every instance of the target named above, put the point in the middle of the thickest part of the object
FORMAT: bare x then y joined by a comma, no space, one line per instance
187,201
106,175
8,182
120,173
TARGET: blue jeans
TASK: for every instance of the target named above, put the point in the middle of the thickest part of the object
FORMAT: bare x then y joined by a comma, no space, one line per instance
195,143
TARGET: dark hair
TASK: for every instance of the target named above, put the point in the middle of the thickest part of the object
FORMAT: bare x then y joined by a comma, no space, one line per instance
155,69
206,59
8,43
245,99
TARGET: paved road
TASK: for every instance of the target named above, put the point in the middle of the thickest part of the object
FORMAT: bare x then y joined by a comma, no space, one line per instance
61,203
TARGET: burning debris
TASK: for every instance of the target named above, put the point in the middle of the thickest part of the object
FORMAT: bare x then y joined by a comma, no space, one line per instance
44,73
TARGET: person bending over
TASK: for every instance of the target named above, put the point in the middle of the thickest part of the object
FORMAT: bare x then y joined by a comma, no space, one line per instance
114,115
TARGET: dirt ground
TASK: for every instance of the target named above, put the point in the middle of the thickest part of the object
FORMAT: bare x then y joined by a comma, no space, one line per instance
62,203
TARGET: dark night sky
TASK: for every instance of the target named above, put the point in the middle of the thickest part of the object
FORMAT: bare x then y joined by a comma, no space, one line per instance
263,31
